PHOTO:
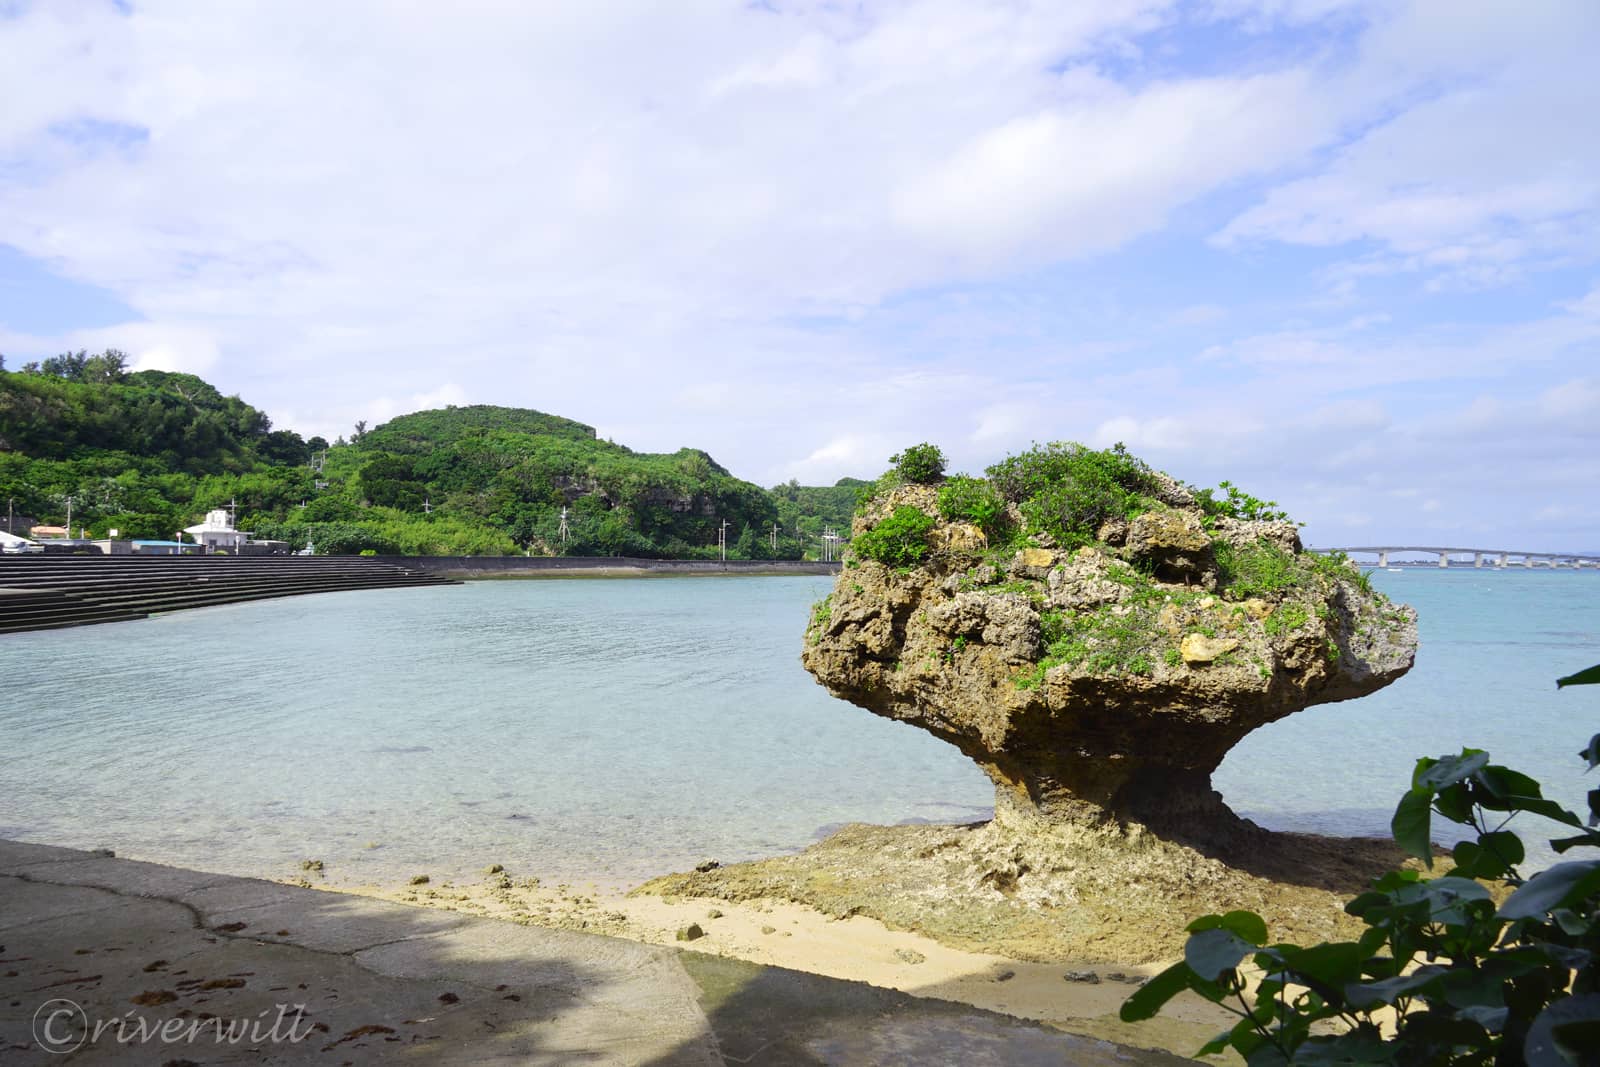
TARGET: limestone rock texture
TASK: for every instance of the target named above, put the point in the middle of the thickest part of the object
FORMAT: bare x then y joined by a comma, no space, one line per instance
1101,686
1098,686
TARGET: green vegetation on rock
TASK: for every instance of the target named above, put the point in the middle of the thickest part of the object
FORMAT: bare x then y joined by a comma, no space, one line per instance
973,500
1067,490
900,540
1235,503
919,465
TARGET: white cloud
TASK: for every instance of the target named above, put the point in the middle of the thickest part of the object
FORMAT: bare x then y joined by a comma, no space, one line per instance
383,408
1091,174
1002,425
1484,175
154,346
1577,400
864,453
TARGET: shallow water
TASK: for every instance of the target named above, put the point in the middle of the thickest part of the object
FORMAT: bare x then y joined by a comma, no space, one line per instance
1492,645
588,730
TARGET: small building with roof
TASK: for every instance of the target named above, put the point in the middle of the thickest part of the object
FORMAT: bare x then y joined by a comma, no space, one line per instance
217,534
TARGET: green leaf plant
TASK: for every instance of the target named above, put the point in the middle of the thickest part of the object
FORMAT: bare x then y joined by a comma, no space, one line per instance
1443,974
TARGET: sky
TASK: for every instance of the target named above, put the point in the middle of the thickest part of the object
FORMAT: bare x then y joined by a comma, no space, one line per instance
1343,253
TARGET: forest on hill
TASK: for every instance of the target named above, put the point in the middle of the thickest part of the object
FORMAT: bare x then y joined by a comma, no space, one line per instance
148,452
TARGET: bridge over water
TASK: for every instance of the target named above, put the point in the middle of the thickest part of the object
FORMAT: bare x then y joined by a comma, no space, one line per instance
1495,557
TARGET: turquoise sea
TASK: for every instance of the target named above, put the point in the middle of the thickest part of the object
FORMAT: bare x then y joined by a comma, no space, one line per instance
607,730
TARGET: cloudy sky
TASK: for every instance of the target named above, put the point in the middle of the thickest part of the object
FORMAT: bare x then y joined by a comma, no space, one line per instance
1346,253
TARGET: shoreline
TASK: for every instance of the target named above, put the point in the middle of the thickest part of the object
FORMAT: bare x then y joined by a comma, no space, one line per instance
1080,998
491,567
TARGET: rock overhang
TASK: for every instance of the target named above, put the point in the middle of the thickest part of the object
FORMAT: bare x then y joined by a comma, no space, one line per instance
1078,671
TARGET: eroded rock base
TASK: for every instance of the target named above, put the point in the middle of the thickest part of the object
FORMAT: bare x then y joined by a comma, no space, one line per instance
1070,895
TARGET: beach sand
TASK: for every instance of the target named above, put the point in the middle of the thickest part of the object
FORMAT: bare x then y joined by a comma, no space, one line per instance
1082,999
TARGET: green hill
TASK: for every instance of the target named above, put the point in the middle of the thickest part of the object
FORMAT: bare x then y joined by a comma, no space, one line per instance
146,453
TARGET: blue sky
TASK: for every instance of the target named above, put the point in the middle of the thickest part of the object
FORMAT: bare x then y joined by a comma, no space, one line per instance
1342,252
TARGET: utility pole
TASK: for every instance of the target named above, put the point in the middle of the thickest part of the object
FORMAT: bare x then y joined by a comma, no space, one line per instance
69,516
427,505
722,540
774,541
11,514
830,544
564,528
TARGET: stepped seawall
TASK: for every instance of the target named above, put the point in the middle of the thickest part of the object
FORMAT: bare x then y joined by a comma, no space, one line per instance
49,592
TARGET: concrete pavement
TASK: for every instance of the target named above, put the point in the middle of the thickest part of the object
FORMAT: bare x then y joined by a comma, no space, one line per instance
106,960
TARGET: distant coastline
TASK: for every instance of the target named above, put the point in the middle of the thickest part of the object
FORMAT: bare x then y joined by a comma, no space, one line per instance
469,567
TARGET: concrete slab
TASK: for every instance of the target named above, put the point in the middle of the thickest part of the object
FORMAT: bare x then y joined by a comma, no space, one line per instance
95,961
629,1001
778,1017
128,877
325,922
237,894
24,903
15,855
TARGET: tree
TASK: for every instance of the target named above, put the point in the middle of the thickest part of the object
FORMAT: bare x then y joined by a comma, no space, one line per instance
68,365
109,366
285,447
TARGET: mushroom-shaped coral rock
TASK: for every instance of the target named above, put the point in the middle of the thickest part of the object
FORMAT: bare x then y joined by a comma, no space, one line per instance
1096,635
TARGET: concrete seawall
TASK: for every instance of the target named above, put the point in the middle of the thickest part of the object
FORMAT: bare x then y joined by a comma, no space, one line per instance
48,592
597,566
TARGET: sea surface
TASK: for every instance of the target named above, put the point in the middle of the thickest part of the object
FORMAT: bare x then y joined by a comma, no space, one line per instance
602,731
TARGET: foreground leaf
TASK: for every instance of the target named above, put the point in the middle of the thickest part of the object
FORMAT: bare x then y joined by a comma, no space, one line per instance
1433,775
1211,952
1149,998
1559,886
1588,677
1411,825
1247,924
1565,1033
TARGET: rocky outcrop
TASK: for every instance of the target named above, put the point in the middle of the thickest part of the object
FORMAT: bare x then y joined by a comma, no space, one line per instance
1099,687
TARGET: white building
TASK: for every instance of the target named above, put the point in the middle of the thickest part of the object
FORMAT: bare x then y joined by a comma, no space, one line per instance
217,534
